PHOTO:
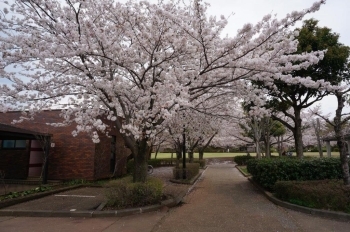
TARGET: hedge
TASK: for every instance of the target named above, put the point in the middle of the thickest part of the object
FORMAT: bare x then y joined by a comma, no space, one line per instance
242,159
320,194
192,170
267,171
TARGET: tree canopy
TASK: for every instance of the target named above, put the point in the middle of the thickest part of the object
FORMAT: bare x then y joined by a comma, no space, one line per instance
333,68
140,61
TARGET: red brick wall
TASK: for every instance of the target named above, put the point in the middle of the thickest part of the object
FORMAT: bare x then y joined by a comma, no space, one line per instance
72,157
14,162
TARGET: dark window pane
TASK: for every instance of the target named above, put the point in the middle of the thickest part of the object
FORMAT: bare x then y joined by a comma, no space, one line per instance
20,144
8,143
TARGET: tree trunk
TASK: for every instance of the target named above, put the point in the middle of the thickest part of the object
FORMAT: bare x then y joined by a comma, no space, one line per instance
344,161
190,156
340,139
279,146
140,161
257,149
202,148
178,149
317,132
201,154
157,150
298,137
257,137
267,145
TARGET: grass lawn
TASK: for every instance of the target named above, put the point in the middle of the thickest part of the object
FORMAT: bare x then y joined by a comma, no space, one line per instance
230,154
244,170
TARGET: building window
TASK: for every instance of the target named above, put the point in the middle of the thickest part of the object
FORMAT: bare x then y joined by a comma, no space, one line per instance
13,144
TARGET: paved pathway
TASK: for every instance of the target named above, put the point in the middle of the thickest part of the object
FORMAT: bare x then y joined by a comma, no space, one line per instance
223,200
226,201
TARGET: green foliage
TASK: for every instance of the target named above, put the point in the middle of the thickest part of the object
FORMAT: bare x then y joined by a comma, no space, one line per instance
315,149
123,193
320,194
244,170
201,163
267,172
242,159
192,170
334,68
130,166
155,162
278,129
12,195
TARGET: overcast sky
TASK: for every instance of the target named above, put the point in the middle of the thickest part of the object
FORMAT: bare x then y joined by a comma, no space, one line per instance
335,14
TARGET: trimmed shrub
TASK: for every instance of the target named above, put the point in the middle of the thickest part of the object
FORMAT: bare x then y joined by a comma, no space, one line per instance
320,194
267,171
201,163
123,193
242,159
155,162
192,170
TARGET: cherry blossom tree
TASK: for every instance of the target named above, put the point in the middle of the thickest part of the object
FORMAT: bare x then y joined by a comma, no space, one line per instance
139,61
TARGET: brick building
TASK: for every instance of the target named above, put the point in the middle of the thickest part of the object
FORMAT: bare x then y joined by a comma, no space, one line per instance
68,157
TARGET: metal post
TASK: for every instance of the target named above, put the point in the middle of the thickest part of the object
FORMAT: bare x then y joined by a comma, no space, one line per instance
184,153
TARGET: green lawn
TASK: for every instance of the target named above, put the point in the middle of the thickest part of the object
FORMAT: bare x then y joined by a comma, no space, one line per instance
244,170
230,154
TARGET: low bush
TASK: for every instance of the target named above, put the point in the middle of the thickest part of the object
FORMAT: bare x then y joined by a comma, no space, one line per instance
12,195
123,193
242,159
155,162
267,171
201,163
320,194
192,170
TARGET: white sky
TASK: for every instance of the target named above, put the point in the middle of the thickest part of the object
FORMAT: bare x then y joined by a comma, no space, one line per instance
335,14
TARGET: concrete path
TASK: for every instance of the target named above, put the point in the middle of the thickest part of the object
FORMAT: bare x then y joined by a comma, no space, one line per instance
141,222
223,200
226,201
